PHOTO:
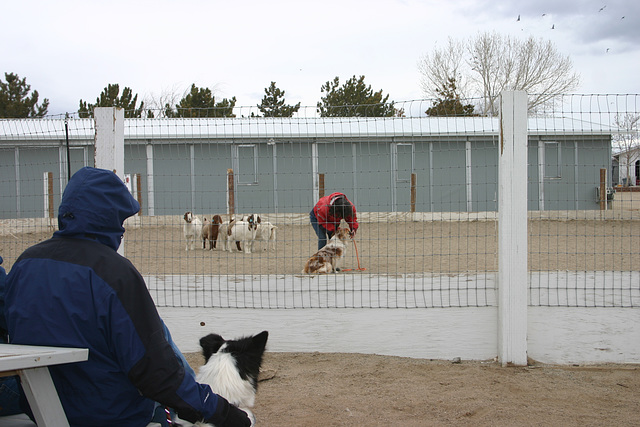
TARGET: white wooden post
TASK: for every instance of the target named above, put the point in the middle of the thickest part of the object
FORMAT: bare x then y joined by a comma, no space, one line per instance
512,230
314,173
45,180
468,176
109,143
151,201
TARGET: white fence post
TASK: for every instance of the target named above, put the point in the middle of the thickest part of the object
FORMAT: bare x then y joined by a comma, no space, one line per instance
109,148
109,143
512,230
151,201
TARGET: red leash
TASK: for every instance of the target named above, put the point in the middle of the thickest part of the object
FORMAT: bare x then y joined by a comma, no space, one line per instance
357,257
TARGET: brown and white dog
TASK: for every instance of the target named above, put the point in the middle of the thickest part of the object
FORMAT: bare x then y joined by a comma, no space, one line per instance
210,232
328,259
192,230
243,231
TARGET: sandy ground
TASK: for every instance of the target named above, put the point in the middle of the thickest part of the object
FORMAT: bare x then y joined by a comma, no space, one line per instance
321,389
447,247
409,247
324,389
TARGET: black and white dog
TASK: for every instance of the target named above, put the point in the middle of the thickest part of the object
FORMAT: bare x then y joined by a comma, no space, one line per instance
232,367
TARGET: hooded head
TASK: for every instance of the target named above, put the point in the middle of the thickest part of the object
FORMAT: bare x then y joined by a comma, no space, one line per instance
340,207
94,205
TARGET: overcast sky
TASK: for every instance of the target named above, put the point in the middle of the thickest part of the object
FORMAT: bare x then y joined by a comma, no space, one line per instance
70,50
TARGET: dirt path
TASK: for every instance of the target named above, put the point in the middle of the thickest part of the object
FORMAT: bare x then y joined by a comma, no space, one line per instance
325,389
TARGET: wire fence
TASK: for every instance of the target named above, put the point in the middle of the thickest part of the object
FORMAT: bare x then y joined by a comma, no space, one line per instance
425,189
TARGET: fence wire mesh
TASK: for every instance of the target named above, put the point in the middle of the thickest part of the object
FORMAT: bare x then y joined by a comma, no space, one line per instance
425,190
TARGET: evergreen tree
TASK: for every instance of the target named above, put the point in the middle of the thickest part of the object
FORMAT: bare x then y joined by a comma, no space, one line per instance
200,102
273,105
15,101
448,103
110,97
354,99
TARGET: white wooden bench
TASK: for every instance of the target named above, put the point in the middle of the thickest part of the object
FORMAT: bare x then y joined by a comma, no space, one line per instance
32,363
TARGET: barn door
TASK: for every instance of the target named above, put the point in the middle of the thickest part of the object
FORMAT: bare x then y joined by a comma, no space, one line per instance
402,166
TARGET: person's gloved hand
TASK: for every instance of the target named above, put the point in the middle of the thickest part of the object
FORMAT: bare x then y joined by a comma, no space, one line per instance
228,415
236,417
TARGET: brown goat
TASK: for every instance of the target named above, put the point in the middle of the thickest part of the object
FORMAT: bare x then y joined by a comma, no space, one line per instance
210,232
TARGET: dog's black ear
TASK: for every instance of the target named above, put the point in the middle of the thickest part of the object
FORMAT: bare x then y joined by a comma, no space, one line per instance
210,345
260,341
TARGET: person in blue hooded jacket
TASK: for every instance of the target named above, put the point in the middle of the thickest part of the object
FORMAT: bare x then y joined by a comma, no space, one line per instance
10,392
75,290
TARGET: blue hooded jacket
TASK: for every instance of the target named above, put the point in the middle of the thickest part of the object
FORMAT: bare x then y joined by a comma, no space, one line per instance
94,206
75,290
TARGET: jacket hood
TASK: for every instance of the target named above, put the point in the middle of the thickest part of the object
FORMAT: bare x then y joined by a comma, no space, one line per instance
94,205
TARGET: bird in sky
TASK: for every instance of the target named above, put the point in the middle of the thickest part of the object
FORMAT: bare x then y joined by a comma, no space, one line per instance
602,8
518,18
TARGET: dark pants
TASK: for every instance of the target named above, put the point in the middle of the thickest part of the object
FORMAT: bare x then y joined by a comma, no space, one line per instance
323,233
10,396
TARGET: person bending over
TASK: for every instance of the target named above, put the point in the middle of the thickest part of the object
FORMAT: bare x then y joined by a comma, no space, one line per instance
326,215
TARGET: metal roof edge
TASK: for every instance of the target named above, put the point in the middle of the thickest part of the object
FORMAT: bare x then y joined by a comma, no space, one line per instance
320,127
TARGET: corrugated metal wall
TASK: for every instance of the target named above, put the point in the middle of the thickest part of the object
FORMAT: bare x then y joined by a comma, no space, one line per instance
453,174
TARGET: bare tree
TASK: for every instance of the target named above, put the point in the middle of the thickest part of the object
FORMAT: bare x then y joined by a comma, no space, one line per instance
626,142
156,103
491,63
442,66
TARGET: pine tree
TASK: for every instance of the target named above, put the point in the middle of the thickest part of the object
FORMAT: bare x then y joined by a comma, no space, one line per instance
354,99
200,102
110,97
15,101
273,105
448,103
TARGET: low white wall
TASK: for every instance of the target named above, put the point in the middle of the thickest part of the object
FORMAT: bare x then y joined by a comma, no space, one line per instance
469,333
556,335
568,335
